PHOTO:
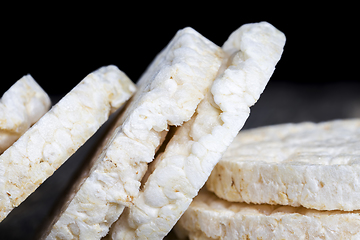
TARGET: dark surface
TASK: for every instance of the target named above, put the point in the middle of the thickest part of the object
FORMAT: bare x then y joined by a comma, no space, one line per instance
316,79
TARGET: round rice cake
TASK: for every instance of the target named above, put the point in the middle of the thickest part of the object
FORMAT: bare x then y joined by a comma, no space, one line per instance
315,165
210,217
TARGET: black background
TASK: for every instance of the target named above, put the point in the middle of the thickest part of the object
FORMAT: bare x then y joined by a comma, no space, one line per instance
59,45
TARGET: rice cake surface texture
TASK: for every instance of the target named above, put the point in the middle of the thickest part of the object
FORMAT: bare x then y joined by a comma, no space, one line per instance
59,133
210,217
183,168
315,165
168,94
20,107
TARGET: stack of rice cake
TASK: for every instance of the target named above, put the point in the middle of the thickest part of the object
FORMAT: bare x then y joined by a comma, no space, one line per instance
289,181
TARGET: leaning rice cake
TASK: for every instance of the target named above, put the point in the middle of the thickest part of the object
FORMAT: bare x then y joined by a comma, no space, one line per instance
183,168
59,133
168,94
20,107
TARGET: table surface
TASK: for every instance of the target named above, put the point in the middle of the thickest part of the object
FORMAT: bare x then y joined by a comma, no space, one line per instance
281,102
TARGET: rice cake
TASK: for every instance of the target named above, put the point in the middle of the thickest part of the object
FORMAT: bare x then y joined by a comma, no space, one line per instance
20,107
210,217
183,168
168,94
59,133
315,165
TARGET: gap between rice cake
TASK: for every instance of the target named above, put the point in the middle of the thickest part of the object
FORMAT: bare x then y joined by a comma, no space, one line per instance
183,168
168,94
59,133
315,165
210,217
20,107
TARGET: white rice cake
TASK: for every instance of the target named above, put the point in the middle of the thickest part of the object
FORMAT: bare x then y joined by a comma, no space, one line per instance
306,164
59,133
168,94
191,154
20,107
210,217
